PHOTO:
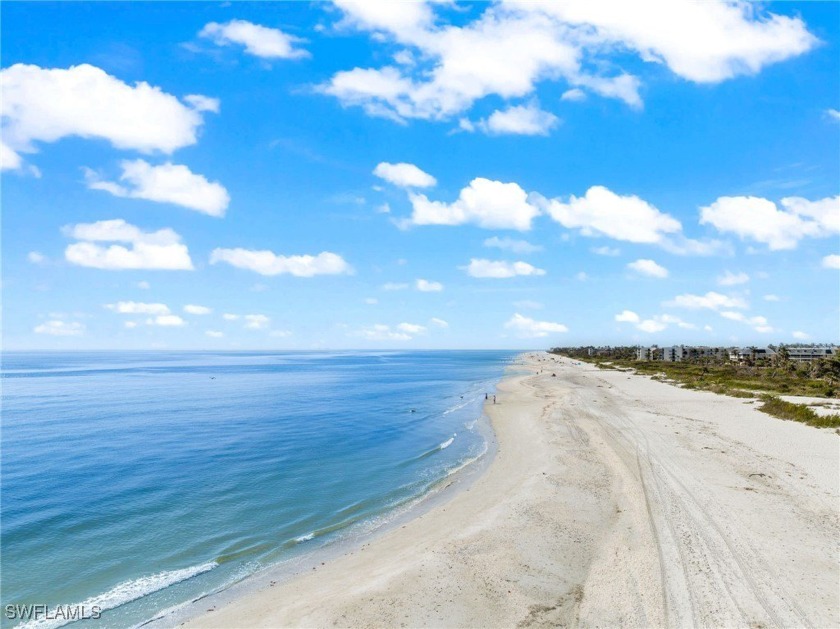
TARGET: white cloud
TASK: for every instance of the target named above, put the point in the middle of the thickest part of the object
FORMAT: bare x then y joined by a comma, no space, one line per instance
412,328
371,301
268,263
500,268
136,307
627,316
525,327
260,41
575,95
167,183
160,250
831,261
509,244
203,103
602,212
46,105
489,204
519,120
801,336
758,323
404,175
759,219
229,316
394,286
833,114
256,321
657,323
510,47
581,276
426,286
130,325
36,257
215,334
9,159
771,298
280,334
711,300
439,322
733,279
143,285
194,309
60,328
606,251
649,268
166,321
705,42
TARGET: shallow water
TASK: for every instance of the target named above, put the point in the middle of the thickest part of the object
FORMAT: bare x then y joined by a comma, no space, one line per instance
138,481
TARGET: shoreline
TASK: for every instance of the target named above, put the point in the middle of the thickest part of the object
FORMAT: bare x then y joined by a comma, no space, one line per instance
457,480
612,500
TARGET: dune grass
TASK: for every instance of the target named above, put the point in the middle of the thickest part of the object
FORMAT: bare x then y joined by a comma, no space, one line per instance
797,412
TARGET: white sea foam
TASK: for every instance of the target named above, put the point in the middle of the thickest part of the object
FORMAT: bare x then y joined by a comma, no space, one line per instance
448,442
304,538
123,593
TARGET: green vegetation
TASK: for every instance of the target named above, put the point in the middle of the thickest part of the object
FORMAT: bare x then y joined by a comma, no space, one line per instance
762,379
797,412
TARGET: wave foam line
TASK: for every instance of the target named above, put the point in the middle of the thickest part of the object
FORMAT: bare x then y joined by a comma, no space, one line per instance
448,442
123,593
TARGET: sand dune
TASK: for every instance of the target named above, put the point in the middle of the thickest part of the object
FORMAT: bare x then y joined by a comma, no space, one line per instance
613,500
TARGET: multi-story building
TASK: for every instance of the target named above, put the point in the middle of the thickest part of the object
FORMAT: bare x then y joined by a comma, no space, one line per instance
808,354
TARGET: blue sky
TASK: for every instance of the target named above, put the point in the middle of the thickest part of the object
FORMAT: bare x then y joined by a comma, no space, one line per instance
410,175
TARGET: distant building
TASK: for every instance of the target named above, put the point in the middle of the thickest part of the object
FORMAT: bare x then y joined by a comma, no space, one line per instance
747,354
809,354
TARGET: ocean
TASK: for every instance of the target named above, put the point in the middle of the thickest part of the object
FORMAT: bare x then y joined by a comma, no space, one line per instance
136,482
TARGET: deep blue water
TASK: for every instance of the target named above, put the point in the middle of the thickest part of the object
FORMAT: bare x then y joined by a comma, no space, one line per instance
138,481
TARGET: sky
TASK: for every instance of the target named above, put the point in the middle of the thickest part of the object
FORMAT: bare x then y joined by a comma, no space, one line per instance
414,175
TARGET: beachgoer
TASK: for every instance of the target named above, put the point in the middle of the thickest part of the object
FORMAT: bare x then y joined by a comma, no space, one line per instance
494,399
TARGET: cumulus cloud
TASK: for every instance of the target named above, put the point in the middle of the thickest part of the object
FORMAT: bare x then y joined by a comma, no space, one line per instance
426,286
269,263
394,286
520,120
575,95
711,300
160,250
229,316
801,336
486,203
404,175
195,309
758,323
9,159
761,220
500,268
733,279
510,244
166,183
771,298
443,68
57,327
412,328
214,334
260,41
136,307
649,268
166,321
657,323
525,327
831,261
256,321
601,212
36,257
627,316
439,322
833,114
46,105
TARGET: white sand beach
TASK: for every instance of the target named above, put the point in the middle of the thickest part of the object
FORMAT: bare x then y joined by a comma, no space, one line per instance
613,500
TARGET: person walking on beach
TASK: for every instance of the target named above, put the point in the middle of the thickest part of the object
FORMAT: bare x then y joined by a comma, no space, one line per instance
485,395
494,399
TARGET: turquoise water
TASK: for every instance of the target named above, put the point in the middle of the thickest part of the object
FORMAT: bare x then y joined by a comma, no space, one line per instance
138,481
